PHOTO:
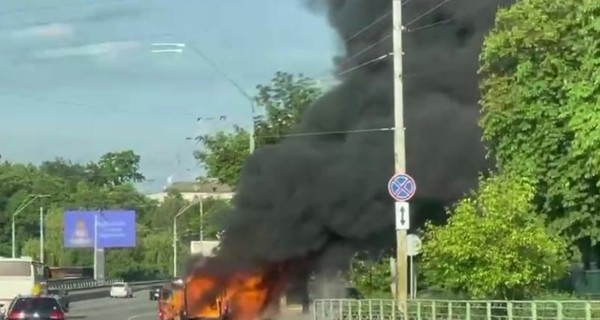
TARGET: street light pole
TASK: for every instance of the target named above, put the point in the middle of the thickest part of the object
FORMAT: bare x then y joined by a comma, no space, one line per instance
201,221
179,48
28,200
41,234
179,213
252,145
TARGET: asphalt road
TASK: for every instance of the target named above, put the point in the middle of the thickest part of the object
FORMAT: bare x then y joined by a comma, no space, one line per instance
139,308
136,308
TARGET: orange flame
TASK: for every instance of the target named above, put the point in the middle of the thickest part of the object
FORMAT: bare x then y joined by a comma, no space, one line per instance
171,307
241,296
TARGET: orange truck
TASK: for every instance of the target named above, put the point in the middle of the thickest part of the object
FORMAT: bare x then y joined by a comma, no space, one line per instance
173,305
168,306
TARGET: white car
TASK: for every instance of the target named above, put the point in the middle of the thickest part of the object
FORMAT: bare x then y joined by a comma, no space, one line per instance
121,290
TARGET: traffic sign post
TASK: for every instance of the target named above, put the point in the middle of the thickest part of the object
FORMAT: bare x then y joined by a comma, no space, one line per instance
402,187
413,248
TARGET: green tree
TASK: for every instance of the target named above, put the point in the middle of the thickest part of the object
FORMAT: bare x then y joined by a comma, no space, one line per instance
215,216
72,173
117,168
540,106
69,186
92,186
161,217
224,154
371,277
495,245
157,252
281,103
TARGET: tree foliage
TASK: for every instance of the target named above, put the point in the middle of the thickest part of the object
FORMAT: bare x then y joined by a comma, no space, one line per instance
224,154
115,169
495,245
280,103
371,277
541,106
105,184
283,102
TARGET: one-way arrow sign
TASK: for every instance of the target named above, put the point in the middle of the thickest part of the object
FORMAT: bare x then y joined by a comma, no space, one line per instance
402,216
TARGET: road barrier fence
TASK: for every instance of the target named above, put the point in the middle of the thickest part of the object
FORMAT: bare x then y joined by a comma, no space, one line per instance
87,284
80,284
384,309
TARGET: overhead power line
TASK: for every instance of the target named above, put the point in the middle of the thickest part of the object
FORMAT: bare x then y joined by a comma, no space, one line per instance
367,27
385,37
364,64
325,133
426,13
448,20
373,23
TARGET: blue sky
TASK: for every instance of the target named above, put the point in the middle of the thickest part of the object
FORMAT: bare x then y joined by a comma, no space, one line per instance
78,78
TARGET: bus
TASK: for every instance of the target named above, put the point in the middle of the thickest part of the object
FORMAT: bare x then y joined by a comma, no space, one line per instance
19,276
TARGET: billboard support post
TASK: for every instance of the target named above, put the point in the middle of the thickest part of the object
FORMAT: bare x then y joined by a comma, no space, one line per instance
95,246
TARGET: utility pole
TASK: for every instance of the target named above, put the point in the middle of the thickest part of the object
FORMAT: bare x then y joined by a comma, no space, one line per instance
201,222
175,247
399,149
252,145
41,234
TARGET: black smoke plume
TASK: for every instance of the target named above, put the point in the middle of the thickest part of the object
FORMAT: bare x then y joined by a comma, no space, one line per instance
325,196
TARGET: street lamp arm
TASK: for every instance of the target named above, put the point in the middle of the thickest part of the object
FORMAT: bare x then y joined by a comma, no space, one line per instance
24,204
184,209
30,198
179,213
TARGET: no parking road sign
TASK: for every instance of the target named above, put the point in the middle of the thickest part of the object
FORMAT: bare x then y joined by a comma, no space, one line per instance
402,187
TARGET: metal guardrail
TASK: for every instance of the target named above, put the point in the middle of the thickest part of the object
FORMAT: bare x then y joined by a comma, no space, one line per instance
67,279
346,309
80,284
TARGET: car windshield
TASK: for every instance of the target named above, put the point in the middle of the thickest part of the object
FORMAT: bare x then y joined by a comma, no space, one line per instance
35,304
118,285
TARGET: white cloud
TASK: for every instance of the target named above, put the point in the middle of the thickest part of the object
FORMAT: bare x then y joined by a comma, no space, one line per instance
97,49
53,30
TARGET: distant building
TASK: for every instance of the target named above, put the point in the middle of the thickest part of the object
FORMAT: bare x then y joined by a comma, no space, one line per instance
196,190
204,248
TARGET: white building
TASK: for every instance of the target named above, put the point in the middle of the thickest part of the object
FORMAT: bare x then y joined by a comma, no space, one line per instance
195,190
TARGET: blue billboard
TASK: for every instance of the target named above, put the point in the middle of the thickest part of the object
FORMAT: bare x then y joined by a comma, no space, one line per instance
106,228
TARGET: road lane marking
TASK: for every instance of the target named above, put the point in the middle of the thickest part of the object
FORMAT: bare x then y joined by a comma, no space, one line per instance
147,314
